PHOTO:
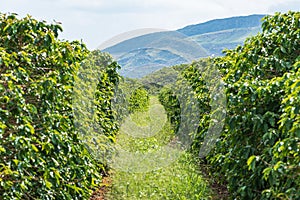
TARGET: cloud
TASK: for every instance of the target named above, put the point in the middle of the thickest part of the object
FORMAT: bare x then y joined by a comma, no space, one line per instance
96,21
117,6
285,6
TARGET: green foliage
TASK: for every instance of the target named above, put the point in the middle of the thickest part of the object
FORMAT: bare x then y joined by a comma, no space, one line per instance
105,92
102,67
257,155
139,100
157,80
199,75
41,154
170,101
95,117
182,101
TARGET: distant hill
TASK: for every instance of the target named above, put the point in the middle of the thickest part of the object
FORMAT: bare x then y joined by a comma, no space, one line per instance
148,60
145,54
216,42
172,41
222,24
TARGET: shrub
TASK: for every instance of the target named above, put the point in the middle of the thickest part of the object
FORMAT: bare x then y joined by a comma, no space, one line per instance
41,154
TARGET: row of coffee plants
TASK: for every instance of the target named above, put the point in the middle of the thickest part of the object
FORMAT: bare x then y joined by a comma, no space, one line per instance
42,154
257,154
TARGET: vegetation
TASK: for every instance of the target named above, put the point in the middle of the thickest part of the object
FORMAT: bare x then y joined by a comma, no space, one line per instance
139,100
257,155
42,156
62,107
95,118
179,179
170,101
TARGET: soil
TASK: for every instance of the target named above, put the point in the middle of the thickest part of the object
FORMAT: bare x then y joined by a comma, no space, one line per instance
100,193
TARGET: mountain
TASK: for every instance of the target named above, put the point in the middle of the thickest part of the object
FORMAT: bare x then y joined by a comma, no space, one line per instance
219,34
217,25
216,42
148,60
173,41
145,54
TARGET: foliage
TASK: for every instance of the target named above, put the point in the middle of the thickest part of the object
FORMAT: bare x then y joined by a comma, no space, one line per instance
260,150
139,100
41,154
108,80
157,80
95,117
170,101
199,74
257,155
45,155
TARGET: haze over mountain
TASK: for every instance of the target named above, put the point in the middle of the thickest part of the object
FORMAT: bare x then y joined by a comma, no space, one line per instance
145,54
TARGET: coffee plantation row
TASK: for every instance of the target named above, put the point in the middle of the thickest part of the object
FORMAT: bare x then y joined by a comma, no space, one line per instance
257,154
42,155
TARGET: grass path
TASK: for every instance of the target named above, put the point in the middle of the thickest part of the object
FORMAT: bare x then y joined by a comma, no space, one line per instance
180,179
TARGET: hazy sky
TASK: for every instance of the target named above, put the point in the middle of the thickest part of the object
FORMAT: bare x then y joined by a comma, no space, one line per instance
95,21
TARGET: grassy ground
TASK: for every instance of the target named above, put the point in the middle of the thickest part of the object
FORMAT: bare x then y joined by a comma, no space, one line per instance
180,179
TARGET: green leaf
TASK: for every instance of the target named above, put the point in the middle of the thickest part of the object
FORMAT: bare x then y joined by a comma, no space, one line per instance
48,184
16,161
266,173
23,186
278,165
34,148
29,128
283,49
251,162
2,149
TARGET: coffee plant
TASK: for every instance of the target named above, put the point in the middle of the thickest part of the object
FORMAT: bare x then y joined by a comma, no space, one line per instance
139,100
259,151
257,155
42,156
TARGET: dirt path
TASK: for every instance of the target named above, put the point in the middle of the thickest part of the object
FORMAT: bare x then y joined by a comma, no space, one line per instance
103,190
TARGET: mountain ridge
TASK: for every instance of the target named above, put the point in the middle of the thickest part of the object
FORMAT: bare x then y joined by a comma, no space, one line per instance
191,42
214,25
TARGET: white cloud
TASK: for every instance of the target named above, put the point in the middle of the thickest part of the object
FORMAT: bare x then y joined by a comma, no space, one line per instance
285,6
95,21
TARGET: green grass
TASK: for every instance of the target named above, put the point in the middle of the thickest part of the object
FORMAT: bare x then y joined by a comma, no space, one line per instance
180,179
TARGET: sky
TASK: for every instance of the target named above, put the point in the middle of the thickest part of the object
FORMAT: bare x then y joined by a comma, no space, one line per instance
97,21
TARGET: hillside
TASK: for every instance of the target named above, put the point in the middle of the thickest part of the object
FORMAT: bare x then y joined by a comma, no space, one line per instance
145,54
222,24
